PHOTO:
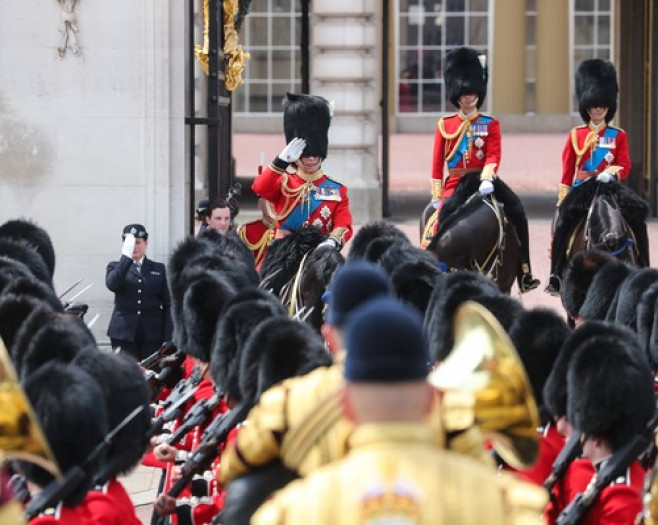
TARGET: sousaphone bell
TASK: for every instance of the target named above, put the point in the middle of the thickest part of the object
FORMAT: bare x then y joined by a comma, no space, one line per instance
21,437
484,383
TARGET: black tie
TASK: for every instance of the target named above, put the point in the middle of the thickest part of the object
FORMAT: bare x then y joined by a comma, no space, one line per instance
138,266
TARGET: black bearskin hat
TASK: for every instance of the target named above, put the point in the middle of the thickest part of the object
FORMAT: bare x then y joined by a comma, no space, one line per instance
647,324
307,117
70,408
24,252
414,282
596,87
464,74
203,303
630,295
14,310
578,276
61,337
370,232
446,297
242,315
538,336
610,387
25,230
29,286
124,389
602,292
276,350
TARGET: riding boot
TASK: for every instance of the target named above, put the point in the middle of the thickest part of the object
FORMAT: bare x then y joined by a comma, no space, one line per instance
516,214
641,238
559,245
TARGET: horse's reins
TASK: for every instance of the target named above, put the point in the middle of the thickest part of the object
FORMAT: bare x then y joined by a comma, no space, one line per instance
495,250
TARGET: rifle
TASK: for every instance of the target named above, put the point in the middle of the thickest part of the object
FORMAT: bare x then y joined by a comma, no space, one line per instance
196,416
612,469
60,488
165,350
169,375
207,451
570,451
174,404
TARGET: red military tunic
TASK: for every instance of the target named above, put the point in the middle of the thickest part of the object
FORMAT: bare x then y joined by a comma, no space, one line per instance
589,151
618,504
550,445
464,143
300,199
60,515
109,505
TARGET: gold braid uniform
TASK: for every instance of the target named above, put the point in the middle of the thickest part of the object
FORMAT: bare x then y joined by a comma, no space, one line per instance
301,421
395,473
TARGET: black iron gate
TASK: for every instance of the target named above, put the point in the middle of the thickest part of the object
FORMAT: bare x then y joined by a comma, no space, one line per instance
218,109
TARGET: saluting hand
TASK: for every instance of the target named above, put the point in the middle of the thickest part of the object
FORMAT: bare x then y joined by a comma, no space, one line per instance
293,150
128,245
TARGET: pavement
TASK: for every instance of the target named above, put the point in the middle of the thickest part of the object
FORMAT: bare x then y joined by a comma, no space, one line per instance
531,166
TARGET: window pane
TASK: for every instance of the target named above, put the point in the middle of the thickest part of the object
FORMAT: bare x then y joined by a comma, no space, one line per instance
603,52
257,7
604,5
432,31
258,65
279,93
409,65
256,31
584,30
431,97
478,31
281,64
240,99
531,30
604,30
584,5
281,34
479,5
455,6
258,98
455,31
408,96
280,6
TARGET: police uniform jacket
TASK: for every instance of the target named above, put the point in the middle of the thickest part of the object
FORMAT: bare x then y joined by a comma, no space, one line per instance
139,296
394,473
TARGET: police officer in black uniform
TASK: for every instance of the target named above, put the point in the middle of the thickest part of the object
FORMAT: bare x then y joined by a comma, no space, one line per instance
141,320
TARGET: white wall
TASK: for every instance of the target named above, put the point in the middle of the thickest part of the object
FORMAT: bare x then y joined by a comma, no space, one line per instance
91,143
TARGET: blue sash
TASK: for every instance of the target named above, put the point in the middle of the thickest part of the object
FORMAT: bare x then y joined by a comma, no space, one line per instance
480,122
326,191
600,152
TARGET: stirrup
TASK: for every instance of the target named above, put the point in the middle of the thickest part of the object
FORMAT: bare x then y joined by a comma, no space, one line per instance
528,282
554,285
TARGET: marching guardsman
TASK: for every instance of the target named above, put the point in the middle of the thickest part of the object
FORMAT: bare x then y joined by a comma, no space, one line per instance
299,191
596,151
468,141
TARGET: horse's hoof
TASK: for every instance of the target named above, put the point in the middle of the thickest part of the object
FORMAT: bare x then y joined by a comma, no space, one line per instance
553,286
528,282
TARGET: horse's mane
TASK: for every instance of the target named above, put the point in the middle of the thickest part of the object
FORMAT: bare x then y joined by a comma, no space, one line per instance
284,255
576,203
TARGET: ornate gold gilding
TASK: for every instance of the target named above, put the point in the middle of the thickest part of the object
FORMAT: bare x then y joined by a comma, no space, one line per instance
234,55
485,382
21,436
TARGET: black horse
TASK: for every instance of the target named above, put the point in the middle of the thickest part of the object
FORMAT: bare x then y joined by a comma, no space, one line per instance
475,234
298,273
603,216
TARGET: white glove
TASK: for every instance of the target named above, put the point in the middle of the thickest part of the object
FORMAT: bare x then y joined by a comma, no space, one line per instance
328,242
486,187
293,150
128,245
606,177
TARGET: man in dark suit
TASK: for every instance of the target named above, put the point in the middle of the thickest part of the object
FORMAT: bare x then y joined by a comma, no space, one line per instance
141,321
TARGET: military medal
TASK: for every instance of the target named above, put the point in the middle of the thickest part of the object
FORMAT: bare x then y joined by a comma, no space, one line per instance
479,154
609,157
325,212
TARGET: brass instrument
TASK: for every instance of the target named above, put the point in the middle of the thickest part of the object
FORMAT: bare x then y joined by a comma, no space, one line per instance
21,436
484,383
